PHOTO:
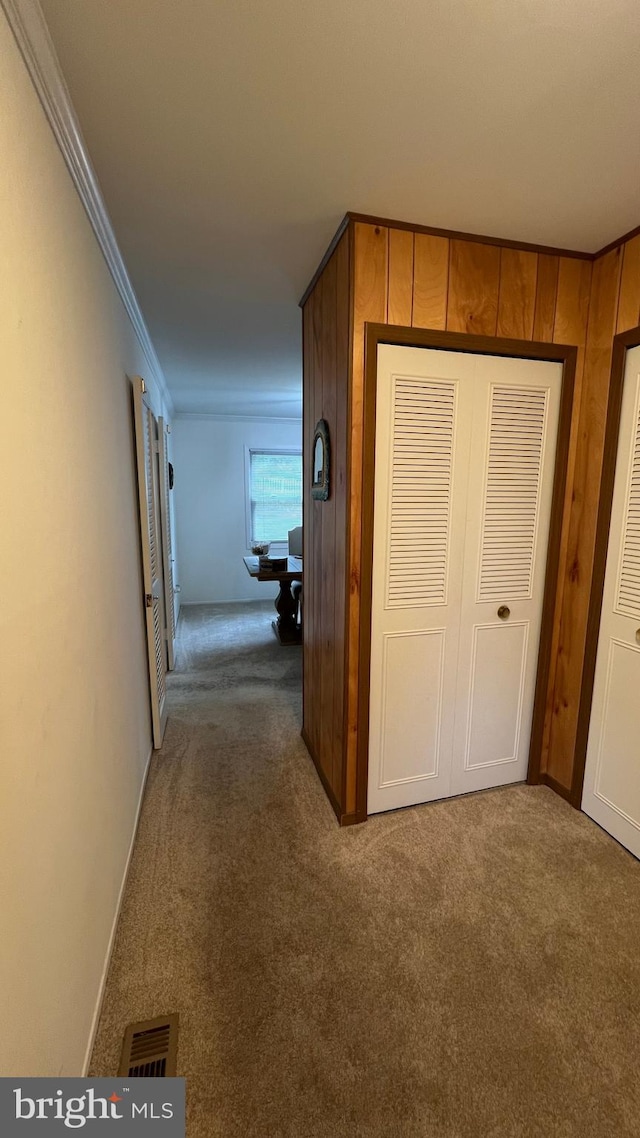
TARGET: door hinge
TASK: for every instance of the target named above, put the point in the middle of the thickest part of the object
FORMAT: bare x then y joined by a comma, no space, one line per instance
148,600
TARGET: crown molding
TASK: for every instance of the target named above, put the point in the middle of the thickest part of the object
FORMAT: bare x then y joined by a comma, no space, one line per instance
224,417
31,33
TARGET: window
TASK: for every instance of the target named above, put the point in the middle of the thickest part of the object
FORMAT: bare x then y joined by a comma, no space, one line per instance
275,494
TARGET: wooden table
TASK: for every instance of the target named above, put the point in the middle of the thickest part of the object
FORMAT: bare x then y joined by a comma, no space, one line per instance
285,626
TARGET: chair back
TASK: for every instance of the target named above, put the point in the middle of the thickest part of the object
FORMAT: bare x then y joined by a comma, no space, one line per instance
295,542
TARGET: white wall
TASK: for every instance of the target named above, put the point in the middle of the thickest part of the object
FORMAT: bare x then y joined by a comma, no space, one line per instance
209,492
74,712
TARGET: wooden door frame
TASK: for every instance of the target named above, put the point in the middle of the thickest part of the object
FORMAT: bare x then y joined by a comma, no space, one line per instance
565,354
621,345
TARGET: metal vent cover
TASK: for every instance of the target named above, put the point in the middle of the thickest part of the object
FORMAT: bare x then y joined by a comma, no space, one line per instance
150,1048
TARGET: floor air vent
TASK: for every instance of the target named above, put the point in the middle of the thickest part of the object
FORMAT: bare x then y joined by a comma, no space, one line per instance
149,1049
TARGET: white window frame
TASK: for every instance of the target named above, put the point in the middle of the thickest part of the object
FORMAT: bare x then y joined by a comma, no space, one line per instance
277,547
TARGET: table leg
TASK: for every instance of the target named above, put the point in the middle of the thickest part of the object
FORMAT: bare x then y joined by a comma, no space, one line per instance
285,626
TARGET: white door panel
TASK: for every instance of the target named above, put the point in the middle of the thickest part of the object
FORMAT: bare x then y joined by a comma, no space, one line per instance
413,665
611,794
497,665
465,456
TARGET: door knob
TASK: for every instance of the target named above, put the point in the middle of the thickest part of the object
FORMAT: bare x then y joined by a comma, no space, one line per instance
638,635
504,612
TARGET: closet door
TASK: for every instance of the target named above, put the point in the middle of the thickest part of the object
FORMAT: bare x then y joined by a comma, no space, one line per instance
611,793
167,552
423,435
147,450
465,459
516,407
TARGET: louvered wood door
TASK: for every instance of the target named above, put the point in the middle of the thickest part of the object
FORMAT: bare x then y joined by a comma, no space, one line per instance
167,548
465,456
611,794
147,450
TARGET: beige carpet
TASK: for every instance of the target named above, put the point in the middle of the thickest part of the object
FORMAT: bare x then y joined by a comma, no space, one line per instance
466,969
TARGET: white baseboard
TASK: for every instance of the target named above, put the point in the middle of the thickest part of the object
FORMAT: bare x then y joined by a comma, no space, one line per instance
114,927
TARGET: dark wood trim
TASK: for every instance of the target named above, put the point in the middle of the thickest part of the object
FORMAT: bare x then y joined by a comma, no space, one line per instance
553,565
351,820
464,342
327,257
373,337
618,241
553,784
478,345
479,238
347,560
621,344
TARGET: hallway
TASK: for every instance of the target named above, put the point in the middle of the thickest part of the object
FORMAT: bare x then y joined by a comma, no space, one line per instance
463,969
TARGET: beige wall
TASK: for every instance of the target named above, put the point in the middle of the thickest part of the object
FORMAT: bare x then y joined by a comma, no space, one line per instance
74,720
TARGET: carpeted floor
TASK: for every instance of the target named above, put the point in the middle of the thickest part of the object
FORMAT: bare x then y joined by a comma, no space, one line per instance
465,969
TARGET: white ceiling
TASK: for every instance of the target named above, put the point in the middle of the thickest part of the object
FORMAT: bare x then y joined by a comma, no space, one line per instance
230,136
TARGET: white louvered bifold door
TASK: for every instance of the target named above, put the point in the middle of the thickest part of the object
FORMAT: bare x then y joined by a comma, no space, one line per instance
147,450
511,472
167,552
465,456
423,433
611,794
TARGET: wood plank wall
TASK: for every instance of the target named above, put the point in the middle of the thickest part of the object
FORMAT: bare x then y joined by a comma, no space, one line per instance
380,273
431,281
614,307
326,361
